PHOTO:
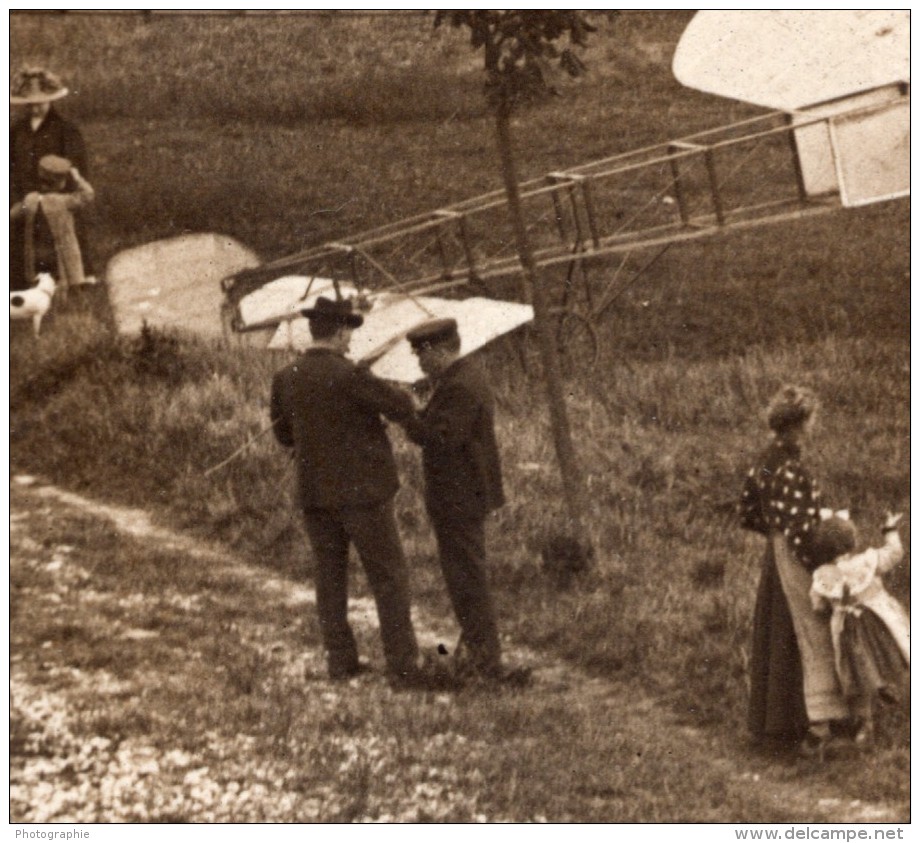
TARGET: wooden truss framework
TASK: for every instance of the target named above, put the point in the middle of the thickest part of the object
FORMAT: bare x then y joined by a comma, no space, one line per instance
650,198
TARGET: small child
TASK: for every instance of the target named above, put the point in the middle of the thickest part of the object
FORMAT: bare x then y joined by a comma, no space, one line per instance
870,629
51,243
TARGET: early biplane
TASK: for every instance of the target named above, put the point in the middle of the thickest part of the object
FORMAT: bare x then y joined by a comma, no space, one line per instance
837,135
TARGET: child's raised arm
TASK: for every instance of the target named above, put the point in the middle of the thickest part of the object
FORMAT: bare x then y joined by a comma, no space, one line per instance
892,551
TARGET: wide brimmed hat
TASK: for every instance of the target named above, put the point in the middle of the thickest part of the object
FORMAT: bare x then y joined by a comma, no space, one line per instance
33,85
339,312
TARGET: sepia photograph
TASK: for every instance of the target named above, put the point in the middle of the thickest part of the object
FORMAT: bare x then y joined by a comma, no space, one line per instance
460,417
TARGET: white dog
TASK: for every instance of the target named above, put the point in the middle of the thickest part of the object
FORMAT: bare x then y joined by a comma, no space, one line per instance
33,303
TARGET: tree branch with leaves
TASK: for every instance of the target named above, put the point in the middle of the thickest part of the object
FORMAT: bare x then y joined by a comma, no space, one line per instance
523,49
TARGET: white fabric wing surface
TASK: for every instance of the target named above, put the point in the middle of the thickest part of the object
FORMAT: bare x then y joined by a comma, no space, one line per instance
280,298
390,317
175,283
789,59
479,321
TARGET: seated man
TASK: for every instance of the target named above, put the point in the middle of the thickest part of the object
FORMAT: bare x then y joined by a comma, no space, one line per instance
40,130
50,241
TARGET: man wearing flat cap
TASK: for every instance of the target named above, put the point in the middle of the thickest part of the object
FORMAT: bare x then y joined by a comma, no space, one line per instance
49,231
40,131
463,484
330,411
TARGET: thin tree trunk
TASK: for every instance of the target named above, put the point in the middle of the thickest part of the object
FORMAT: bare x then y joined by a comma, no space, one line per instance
572,481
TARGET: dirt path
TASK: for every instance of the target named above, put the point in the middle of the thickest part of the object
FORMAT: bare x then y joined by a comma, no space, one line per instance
749,781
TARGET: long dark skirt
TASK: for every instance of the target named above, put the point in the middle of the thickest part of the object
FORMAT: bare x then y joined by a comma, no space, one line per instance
871,662
777,704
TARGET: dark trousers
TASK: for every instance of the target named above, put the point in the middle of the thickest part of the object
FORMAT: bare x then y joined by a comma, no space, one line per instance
372,530
462,551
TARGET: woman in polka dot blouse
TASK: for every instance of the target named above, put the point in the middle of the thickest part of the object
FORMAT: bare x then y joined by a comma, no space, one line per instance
794,689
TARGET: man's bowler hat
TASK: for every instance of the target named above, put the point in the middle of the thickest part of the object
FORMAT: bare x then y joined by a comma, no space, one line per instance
339,312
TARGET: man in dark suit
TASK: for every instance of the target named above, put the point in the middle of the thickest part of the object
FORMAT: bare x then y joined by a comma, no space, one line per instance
329,411
463,484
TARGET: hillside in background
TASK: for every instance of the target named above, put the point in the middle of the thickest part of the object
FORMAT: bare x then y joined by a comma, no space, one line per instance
288,131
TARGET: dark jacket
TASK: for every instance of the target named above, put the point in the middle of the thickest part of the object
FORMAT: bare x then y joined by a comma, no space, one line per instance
329,411
55,136
460,455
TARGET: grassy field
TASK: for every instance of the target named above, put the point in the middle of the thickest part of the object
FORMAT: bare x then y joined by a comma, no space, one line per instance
102,663
288,131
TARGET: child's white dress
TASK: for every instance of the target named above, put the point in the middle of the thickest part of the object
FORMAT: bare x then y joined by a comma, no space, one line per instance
869,628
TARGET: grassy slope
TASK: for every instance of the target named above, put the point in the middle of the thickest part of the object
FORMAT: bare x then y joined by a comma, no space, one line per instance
391,124
201,634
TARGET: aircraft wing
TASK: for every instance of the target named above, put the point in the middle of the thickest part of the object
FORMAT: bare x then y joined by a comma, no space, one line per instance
837,84
280,301
391,315
175,283
479,321
789,59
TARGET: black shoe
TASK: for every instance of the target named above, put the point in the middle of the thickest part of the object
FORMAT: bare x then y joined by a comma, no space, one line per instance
342,673
424,679
864,737
816,742
514,677
888,694
494,678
